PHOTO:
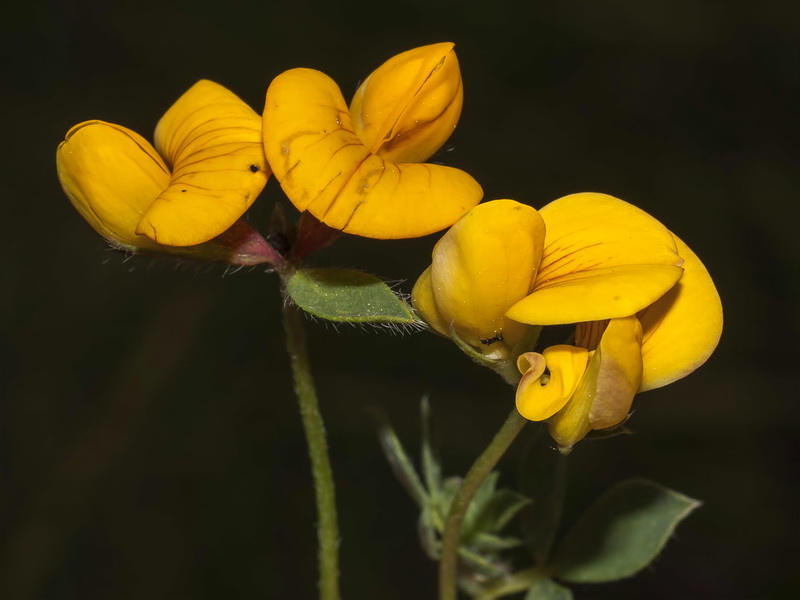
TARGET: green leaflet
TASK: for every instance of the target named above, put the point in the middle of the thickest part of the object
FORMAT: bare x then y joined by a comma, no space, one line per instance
621,533
347,296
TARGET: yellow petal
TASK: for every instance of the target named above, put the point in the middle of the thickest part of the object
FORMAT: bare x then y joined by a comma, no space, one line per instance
484,264
604,395
395,201
408,107
539,398
425,305
323,167
601,293
212,140
603,258
111,175
308,139
681,329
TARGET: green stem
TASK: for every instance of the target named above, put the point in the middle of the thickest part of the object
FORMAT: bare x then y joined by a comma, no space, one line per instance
448,565
327,530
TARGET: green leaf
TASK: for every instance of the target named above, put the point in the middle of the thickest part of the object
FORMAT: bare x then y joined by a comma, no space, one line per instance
542,478
621,533
487,542
347,296
547,589
427,530
479,564
479,501
499,510
431,470
401,464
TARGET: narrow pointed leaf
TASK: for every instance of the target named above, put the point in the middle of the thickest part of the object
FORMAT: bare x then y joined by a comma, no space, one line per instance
427,531
347,296
431,470
621,533
487,542
478,563
401,464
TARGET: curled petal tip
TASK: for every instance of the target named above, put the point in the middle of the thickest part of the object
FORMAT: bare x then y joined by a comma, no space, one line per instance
543,393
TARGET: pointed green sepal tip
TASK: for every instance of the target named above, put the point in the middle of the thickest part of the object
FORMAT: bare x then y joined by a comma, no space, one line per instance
347,296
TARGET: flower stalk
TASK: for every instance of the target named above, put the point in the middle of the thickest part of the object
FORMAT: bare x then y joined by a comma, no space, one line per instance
327,527
448,565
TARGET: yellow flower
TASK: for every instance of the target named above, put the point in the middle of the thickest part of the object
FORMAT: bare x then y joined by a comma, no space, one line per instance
646,310
360,170
205,171
660,344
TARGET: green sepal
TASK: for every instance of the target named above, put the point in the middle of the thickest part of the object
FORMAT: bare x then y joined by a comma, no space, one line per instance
547,589
621,533
347,296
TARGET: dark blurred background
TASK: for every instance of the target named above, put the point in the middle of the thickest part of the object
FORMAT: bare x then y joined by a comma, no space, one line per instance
150,445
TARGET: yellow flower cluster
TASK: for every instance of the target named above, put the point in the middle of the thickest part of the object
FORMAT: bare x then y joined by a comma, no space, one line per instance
644,308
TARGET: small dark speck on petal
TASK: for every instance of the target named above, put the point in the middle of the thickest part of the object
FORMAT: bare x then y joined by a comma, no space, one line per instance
254,168
183,190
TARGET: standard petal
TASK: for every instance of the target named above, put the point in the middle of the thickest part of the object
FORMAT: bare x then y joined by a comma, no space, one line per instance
408,107
323,167
111,175
212,140
308,138
485,263
539,398
681,329
603,258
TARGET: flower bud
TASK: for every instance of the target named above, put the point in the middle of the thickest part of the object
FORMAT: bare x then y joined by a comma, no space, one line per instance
409,106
